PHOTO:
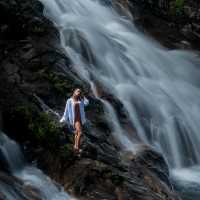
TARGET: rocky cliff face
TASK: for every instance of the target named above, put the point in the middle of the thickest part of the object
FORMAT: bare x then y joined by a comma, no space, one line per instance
174,22
35,80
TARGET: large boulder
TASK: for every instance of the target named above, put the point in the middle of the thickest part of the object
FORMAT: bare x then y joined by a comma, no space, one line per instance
142,175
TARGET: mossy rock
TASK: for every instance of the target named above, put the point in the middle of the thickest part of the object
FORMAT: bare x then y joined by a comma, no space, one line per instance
61,84
43,126
40,125
66,152
177,7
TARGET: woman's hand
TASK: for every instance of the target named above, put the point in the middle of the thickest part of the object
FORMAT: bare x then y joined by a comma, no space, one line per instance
62,120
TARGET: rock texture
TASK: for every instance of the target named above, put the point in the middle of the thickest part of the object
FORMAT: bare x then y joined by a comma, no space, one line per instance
35,80
175,23
143,176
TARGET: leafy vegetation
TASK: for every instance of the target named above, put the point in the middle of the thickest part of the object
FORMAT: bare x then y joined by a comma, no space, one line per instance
40,125
177,7
45,131
44,127
60,83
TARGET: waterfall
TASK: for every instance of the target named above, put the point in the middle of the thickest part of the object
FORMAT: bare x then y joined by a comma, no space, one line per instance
31,176
11,154
159,88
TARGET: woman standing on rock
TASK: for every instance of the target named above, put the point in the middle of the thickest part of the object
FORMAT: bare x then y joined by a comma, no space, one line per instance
75,114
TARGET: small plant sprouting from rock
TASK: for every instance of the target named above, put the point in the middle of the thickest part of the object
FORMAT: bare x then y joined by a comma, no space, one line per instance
177,7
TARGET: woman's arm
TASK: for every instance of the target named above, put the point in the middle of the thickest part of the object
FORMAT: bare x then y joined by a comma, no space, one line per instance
65,114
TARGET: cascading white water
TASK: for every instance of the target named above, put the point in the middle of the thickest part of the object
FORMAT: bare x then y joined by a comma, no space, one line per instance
30,175
12,154
158,88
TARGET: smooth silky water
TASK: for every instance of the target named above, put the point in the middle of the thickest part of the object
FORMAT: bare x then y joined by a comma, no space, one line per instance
159,88
30,175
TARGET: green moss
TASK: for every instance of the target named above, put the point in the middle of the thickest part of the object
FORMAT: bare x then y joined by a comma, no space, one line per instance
177,7
60,84
66,151
42,127
56,82
45,129
42,130
38,29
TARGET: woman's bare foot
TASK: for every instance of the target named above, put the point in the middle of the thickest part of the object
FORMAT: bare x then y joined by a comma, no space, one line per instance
80,150
76,149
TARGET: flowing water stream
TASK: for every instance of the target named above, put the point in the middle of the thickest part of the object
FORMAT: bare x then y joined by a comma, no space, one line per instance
159,88
30,176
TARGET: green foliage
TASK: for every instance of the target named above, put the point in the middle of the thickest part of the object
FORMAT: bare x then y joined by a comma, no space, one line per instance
66,151
44,128
177,7
61,85
38,29
45,131
57,83
40,125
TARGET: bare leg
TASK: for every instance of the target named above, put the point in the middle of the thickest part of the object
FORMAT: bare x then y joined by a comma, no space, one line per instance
75,141
75,138
79,139
78,134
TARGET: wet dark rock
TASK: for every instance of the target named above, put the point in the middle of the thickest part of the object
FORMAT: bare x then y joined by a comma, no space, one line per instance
155,162
168,22
134,176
